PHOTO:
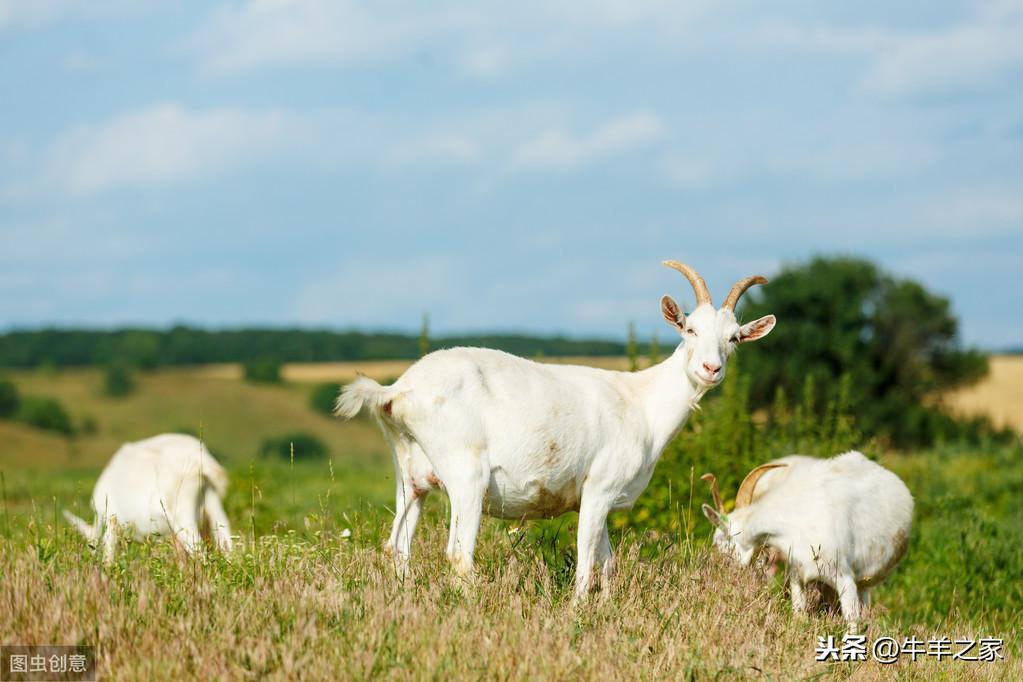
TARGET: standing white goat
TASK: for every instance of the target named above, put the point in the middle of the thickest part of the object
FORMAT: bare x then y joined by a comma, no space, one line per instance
524,440
164,485
843,522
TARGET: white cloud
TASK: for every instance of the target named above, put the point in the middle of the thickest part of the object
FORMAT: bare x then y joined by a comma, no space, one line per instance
158,145
827,152
969,57
824,38
170,144
977,53
856,157
33,12
266,32
36,13
974,210
558,149
435,148
696,172
482,39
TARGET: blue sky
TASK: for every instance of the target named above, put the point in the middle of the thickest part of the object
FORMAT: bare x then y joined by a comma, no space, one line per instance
504,166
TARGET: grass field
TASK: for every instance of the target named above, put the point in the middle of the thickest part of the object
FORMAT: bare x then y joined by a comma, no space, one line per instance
298,599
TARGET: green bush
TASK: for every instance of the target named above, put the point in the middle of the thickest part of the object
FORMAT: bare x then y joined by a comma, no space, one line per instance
263,371
45,413
8,398
117,380
88,425
323,397
306,445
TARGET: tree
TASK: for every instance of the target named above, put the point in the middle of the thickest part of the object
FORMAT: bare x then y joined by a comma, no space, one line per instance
324,396
654,350
300,444
117,380
897,342
424,336
8,398
45,413
263,371
631,348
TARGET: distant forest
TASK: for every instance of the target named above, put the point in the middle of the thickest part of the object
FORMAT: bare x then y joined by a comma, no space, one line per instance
149,348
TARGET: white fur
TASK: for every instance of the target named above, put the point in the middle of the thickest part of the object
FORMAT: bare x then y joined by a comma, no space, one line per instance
164,485
843,521
522,440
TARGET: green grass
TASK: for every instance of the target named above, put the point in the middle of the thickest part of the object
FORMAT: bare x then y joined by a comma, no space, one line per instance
295,598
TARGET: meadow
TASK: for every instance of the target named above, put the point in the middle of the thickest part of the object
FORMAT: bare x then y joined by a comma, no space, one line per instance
301,598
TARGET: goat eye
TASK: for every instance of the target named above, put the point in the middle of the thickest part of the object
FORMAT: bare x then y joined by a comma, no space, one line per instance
691,331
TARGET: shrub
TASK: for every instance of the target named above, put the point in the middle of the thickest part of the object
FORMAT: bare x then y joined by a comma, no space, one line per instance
307,446
117,380
323,397
45,413
8,398
88,425
263,371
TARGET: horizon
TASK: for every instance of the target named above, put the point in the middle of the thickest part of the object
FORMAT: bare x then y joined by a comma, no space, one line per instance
665,342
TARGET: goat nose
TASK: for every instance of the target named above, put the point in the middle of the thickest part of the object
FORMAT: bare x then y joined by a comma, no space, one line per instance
712,368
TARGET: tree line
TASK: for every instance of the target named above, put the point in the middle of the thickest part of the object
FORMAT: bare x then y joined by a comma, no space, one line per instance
183,345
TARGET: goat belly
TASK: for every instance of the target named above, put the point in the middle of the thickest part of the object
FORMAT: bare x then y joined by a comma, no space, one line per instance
508,499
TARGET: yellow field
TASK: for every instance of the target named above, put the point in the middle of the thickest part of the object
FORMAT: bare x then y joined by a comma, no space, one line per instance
999,395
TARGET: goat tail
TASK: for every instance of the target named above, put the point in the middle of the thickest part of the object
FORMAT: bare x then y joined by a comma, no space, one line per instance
215,475
89,531
363,392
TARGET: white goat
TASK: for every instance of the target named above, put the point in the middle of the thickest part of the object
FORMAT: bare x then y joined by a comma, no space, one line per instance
164,485
524,440
843,522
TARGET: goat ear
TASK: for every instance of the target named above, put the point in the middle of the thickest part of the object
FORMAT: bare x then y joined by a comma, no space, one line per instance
751,331
713,516
673,314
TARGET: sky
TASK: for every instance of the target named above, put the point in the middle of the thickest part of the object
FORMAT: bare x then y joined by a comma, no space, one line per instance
500,166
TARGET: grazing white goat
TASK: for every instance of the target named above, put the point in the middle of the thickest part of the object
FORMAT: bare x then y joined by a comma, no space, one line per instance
524,440
843,522
164,485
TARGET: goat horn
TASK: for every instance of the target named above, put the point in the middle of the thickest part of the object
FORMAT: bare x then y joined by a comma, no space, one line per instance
744,497
715,493
699,286
740,288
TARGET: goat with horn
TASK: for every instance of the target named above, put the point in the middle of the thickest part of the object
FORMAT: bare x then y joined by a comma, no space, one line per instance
842,522
522,440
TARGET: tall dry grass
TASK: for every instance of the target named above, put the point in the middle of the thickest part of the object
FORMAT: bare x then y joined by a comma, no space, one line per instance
324,608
